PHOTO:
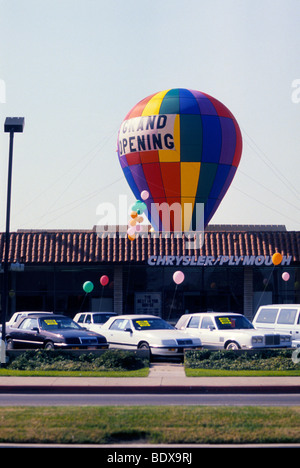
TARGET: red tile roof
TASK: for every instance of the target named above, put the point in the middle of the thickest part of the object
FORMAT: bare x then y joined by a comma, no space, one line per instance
71,247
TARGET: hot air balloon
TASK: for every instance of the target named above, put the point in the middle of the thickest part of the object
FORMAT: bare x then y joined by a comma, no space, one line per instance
183,148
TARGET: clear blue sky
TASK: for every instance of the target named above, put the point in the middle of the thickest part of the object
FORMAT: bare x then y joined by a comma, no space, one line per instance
74,68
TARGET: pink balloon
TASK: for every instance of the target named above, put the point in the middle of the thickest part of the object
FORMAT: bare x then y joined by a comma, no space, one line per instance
131,230
104,280
178,277
285,276
144,195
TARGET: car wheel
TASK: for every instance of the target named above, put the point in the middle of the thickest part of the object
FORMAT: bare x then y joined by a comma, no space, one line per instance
144,345
232,345
49,345
9,344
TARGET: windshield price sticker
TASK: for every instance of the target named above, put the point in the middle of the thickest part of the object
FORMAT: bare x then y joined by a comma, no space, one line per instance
225,320
143,323
50,322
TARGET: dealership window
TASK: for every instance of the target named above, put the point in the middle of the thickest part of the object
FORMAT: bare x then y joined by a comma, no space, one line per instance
60,289
270,288
203,289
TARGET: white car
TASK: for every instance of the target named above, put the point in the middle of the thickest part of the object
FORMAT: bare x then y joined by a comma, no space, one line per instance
280,318
147,332
229,331
93,320
18,315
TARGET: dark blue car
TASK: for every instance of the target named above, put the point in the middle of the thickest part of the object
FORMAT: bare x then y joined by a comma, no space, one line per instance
52,332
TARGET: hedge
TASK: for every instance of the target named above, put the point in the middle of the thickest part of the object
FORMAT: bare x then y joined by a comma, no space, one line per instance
69,361
268,359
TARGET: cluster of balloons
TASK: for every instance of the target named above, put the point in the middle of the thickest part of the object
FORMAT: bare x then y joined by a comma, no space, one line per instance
136,218
88,286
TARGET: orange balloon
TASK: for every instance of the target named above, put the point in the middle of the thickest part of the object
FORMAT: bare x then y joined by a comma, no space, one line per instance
131,237
133,214
277,258
132,222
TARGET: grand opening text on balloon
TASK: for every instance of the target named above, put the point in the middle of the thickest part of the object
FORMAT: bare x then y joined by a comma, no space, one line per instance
147,133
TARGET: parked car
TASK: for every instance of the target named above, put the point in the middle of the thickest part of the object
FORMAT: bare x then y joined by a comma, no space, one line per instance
17,315
50,332
147,332
229,331
280,318
93,320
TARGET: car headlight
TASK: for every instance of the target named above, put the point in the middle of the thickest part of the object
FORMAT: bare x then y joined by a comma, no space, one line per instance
168,342
257,339
60,337
197,341
285,338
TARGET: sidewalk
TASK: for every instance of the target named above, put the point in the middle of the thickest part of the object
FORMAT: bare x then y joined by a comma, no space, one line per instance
163,378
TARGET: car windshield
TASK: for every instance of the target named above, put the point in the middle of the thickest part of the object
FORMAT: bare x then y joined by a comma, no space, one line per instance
54,323
101,318
151,324
225,322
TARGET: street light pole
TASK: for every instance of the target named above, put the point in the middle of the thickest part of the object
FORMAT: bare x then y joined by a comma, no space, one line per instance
11,126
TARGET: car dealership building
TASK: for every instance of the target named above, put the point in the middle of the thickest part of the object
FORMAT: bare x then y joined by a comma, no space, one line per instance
230,269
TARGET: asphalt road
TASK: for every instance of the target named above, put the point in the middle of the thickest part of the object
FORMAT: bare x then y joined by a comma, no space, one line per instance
149,400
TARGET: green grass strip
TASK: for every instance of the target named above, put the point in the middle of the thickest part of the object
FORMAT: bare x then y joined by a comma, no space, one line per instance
171,424
240,373
109,373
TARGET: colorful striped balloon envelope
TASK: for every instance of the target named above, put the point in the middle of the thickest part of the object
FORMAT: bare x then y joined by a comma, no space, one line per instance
183,147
